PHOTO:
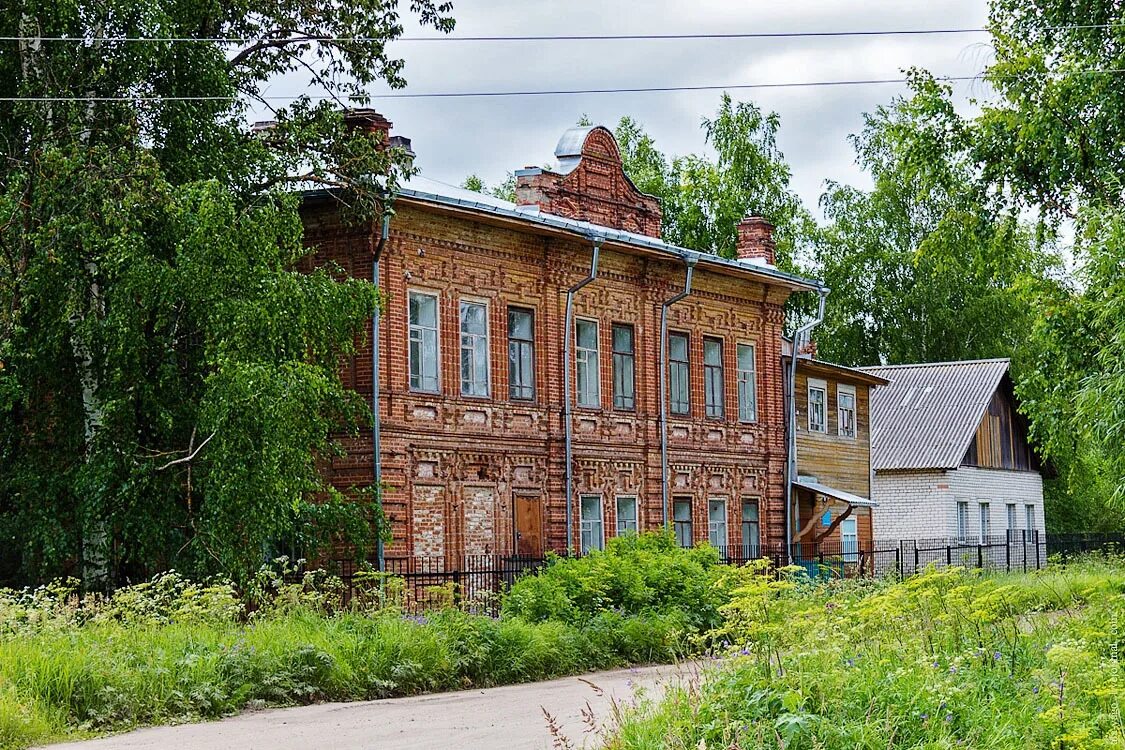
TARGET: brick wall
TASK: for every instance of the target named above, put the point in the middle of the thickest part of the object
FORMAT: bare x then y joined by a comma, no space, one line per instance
923,504
454,463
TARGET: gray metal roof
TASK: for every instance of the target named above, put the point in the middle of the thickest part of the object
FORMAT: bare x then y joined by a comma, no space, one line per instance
842,495
927,416
431,191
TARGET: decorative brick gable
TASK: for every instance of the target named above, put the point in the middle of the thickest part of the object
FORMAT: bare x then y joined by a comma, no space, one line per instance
590,184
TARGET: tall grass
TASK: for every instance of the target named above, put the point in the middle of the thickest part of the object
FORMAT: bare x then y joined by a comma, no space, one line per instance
948,659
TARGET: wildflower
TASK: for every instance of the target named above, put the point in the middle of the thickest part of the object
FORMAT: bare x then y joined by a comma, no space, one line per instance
948,718
953,669
997,656
1035,690
851,662
924,716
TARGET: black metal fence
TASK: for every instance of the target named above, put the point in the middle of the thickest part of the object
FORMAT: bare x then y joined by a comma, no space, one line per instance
476,582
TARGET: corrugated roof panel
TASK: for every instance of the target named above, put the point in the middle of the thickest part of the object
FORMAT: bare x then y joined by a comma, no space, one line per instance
927,416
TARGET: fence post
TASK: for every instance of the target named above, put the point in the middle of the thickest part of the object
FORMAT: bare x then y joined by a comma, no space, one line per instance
1008,552
1037,549
898,561
980,555
948,555
915,557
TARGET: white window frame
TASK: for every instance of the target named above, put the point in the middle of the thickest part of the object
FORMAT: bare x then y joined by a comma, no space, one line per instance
816,384
411,328
587,526
984,510
622,528
962,520
584,356
470,342
747,384
1013,520
849,540
843,389
718,531
714,389
752,548
1029,518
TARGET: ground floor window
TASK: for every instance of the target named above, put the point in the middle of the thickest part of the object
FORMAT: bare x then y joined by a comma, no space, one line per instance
626,515
849,540
681,520
717,522
962,521
751,529
593,534
985,522
1030,513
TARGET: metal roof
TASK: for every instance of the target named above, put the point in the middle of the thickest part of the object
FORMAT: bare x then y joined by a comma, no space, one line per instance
431,191
927,416
824,489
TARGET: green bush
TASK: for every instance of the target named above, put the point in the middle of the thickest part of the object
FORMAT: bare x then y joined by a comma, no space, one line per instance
634,575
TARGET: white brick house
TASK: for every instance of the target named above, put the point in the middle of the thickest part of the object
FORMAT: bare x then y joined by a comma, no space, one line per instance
950,456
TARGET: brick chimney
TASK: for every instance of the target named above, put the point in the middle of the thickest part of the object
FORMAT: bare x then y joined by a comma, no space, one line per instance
755,240
589,184
370,121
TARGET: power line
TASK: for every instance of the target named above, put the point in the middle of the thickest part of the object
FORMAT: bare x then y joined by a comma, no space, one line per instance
532,92
539,38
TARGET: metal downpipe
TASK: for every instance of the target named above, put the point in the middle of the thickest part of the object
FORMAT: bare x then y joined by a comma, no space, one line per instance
568,335
689,264
376,424
791,469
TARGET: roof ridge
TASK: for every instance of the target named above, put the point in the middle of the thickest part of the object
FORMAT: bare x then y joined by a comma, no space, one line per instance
991,360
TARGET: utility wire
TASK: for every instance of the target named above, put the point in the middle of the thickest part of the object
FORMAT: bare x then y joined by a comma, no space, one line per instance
539,38
549,92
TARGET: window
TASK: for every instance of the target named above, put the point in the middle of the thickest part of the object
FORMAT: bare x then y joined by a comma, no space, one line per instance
845,410
1029,513
985,522
717,522
626,515
681,520
521,354
586,337
623,397
1012,526
593,536
747,383
423,342
474,348
679,393
818,396
962,520
713,377
849,540
751,530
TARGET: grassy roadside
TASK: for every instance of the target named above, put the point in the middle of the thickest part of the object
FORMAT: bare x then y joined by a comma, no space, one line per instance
173,651
948,659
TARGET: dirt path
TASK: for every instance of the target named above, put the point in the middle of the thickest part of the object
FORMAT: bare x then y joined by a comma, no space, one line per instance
492,719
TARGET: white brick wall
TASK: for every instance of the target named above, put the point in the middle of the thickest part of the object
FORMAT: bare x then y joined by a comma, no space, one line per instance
923,504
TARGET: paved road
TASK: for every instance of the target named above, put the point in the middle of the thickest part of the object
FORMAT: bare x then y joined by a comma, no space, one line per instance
493,719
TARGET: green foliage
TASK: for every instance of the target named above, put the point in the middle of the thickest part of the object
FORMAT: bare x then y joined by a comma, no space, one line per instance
170,650
946,659
505,190
168,360
704,198
634,575
927,266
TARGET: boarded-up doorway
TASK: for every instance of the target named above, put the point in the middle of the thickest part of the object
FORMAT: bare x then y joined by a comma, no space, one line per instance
529,526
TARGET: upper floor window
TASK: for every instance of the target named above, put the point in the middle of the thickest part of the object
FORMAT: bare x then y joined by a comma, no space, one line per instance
747,383
521,354
679,387
586,363
623,377
845,410
423,335
713,377
474,348
818,397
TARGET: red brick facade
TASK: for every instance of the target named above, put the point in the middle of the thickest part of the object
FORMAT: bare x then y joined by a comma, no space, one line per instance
457,467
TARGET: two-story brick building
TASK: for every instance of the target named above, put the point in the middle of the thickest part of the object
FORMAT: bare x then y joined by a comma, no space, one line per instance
476,449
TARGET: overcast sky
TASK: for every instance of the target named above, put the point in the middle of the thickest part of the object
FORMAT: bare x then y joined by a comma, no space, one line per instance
490,136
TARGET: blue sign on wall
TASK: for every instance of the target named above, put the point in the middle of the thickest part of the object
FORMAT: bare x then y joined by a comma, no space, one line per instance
826,519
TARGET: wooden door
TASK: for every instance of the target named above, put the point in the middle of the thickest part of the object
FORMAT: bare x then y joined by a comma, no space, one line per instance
529,526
